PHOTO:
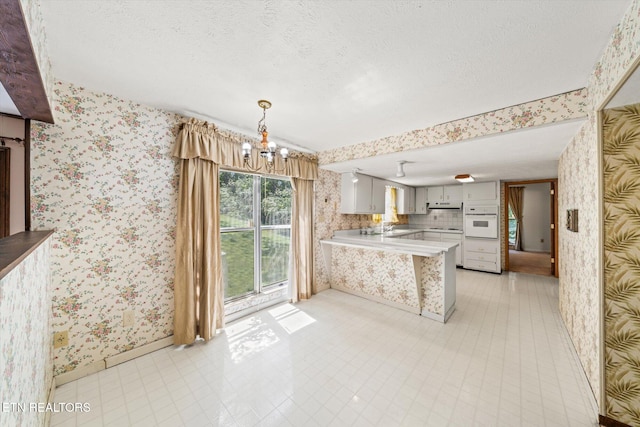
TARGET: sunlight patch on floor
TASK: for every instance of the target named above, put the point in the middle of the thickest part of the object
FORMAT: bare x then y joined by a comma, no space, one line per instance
291,318
248,337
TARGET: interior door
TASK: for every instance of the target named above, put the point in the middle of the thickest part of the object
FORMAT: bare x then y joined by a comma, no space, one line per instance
553,202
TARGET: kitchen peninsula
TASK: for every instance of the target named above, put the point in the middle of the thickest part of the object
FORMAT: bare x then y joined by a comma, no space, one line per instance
415,275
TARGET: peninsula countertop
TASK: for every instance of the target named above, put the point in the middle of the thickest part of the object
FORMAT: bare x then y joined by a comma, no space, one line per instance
392,268
391,242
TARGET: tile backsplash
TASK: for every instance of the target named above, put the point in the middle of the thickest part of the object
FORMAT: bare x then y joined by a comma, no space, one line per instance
438,218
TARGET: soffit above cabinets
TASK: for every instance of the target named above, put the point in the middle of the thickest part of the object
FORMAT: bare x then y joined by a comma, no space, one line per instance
522,155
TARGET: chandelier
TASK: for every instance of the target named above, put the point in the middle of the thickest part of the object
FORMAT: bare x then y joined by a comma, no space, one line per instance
268,151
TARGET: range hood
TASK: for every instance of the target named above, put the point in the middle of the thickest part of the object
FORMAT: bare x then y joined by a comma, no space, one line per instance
444,205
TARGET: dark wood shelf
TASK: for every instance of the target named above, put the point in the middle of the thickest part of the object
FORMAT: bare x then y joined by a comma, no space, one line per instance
14,249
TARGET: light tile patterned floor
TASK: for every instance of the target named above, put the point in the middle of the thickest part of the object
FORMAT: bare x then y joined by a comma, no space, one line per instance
503,359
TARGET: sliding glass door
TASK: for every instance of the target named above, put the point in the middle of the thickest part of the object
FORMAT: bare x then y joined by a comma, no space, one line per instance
255,225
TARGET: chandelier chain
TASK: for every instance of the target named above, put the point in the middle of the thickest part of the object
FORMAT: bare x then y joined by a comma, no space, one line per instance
262,127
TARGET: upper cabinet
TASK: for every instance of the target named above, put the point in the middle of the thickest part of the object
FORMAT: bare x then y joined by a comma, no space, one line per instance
447,193
378,189
435,194
363,197
421,200
406,200
480,191
452,193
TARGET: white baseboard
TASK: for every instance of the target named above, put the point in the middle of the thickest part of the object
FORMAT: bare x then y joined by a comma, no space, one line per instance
52,395
138,351
80,372
432,316
108,362
409,308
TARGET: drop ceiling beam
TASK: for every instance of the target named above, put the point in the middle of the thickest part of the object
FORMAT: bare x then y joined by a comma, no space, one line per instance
19,71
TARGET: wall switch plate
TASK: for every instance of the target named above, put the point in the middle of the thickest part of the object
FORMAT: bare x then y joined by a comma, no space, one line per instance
60,339
128,318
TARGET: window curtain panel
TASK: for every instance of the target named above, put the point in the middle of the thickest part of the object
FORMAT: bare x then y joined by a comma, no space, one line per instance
516,202
198,287
301,276
394,205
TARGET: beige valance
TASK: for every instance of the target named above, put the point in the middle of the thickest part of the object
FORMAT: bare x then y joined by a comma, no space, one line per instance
198,139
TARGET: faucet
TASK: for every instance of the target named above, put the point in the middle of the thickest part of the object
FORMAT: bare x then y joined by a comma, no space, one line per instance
389,227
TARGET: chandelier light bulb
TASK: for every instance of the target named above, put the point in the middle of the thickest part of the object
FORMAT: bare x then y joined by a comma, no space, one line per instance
246,150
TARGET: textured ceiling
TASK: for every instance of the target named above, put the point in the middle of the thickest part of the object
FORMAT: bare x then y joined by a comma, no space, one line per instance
337,72
340,73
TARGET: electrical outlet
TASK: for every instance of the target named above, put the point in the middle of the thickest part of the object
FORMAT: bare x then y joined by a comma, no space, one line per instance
128,318
60,339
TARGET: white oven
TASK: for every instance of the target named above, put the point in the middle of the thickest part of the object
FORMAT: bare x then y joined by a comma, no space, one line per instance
481,221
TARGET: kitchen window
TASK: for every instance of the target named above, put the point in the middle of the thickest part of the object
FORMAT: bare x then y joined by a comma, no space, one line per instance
255,226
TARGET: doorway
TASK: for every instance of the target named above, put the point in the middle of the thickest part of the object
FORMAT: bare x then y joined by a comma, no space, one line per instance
530,233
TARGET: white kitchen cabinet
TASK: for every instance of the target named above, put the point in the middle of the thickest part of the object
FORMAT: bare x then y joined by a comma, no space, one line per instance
482,254
480,191
452,193
435,194
362,194
363,197
434,236
446,193
413,236
450,237
378,191
421,200
406,200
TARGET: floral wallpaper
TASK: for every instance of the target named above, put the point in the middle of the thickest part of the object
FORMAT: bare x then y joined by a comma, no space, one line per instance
621,149
623,48
553,109
327,219
432,284
385,275
104,179
26,340
578,252
390,276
